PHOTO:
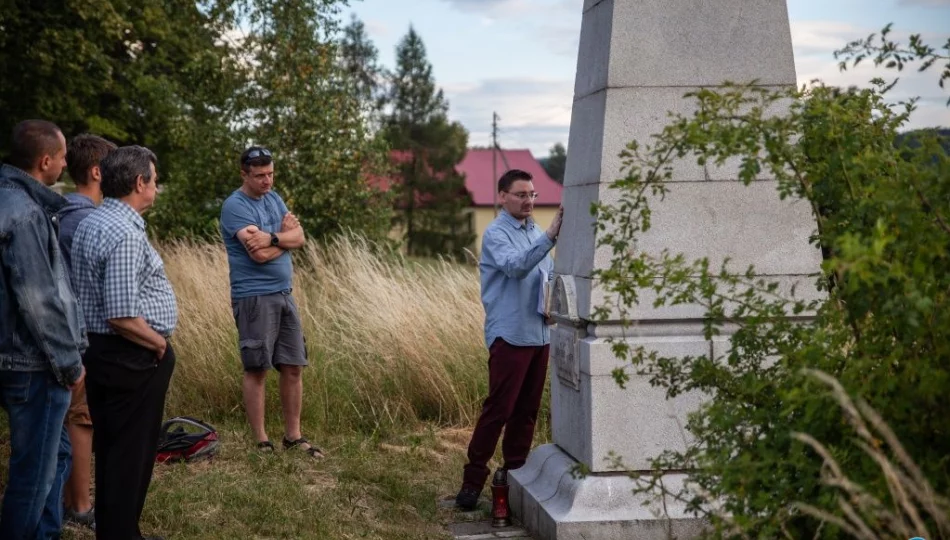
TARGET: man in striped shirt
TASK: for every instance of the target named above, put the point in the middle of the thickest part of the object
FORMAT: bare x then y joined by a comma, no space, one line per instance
130,314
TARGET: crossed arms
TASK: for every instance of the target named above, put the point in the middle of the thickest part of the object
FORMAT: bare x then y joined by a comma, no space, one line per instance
258,242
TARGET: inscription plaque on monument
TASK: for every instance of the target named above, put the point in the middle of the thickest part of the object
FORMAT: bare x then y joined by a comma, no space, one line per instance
564,355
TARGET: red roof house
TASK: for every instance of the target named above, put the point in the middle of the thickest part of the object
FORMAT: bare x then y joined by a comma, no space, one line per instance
482,181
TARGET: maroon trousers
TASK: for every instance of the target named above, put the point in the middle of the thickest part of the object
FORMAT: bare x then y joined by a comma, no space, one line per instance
516,378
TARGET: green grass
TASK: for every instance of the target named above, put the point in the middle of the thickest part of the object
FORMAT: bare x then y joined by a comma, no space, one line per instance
398,372
365,488
382,487
397,375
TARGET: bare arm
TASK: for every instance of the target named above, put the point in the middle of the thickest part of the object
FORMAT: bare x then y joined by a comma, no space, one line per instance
258,245
258,242
136,330
292,239
291,234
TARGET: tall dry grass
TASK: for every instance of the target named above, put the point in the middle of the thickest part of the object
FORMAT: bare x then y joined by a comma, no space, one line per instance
391,342
914,508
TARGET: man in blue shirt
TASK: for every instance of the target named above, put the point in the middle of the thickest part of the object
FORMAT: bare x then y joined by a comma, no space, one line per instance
259,232
41,335
514,258
82,160
131,313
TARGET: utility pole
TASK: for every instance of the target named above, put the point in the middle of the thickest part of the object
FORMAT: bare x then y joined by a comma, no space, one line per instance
494,157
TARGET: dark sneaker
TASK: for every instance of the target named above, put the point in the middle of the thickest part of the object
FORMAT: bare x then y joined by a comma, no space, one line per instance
467,499
82,519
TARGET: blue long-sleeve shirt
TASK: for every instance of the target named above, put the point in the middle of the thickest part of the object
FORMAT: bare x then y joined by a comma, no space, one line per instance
513,253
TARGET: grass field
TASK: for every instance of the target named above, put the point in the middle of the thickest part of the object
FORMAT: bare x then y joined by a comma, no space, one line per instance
398,371
367,487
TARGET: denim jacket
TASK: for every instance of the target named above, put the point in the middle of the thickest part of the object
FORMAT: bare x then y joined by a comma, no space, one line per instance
41,325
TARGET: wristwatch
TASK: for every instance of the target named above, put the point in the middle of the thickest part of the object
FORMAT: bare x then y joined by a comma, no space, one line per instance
274,240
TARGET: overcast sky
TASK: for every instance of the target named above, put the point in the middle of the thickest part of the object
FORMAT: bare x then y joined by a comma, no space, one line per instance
518,57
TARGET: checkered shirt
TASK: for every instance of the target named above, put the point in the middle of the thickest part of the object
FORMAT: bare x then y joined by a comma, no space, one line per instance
116,273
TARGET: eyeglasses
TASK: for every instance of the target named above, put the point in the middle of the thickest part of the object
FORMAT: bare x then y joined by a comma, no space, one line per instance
256,153
521,196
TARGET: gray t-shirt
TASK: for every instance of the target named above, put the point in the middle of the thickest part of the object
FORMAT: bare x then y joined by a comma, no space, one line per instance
250,278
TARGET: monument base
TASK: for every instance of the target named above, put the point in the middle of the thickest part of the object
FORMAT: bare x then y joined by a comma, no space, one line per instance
554,505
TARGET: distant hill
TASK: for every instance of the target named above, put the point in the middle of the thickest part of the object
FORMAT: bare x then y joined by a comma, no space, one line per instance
910,138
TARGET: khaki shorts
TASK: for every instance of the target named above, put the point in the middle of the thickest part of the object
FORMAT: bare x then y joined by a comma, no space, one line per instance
269,332
78,413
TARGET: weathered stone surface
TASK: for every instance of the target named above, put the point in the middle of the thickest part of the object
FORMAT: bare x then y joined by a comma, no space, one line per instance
699,43
564,506
749,225
586,140
637,60
593,48
520,533
624,115
577,231
588,4
590,295
635,423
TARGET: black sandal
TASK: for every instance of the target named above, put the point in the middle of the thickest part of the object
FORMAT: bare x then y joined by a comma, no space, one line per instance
312,450
266,446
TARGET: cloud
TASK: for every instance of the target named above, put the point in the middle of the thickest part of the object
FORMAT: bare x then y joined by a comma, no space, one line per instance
561,38
557,23
534,112
823,37
475,5
559,26
376,28
814,43
925,3
496,8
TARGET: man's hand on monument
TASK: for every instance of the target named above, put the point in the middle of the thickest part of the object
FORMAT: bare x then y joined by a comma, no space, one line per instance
289,222
258,240
555,228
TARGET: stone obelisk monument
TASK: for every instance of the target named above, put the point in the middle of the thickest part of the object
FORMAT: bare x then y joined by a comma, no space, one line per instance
636,60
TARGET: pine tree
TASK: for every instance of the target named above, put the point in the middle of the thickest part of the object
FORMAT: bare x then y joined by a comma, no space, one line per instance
432,195
359,59
556,163
303,109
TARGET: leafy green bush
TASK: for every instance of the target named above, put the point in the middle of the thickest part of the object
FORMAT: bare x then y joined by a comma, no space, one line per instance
881,327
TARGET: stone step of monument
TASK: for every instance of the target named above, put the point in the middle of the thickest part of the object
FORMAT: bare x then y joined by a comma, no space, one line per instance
476,525
483,530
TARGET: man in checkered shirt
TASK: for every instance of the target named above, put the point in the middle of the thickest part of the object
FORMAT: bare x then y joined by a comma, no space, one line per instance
130,314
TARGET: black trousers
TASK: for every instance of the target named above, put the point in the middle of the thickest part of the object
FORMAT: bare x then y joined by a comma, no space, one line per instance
125,389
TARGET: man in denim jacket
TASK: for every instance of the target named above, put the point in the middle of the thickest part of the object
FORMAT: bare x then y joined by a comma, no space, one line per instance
41,333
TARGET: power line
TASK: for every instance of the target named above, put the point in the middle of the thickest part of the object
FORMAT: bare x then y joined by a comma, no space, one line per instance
494,156
495,150
503,157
